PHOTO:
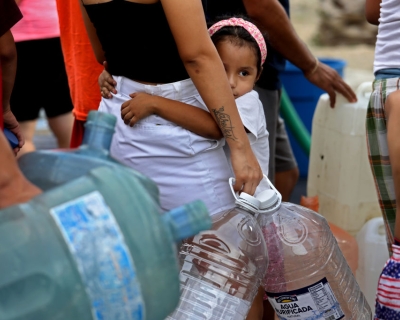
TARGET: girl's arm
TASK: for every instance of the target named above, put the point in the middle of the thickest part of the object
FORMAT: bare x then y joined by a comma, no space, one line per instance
189,117
187,22
372,11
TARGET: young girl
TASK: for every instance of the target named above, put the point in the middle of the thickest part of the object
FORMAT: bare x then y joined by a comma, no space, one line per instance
242,49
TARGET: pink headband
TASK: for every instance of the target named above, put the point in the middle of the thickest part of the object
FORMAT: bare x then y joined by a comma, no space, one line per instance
251,28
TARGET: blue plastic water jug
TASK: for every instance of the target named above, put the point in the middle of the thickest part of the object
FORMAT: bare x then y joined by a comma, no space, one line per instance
96,247
50,168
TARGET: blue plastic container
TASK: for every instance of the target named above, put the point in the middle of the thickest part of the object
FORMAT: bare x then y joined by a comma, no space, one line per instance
94,248
304,96
50,168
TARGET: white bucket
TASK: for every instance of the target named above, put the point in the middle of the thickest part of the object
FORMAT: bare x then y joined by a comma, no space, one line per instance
339,171
372,255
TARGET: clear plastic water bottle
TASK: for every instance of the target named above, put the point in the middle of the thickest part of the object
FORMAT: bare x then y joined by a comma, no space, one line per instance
49,168
94,248
222,268
307,276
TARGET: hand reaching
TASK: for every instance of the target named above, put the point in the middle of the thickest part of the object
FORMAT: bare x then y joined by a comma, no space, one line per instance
330,81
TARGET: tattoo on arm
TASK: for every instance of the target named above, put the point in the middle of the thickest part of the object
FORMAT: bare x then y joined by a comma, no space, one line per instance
224,122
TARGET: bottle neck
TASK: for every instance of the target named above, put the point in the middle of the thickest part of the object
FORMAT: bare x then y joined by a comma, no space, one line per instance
97,138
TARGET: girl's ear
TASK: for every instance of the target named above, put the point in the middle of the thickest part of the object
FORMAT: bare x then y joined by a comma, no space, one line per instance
259,74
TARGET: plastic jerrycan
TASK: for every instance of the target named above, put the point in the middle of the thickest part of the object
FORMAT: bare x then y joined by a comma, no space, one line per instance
347,243
49,168
307,276
339,171
222,268
373,255
94,248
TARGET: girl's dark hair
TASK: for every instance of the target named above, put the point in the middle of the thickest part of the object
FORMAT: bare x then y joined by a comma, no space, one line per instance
238,36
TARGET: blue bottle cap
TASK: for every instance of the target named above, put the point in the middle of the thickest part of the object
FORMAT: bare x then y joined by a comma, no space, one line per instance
11,137
188,220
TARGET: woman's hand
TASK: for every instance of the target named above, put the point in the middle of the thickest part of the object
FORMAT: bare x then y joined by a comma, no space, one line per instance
139,107
247,171
106,83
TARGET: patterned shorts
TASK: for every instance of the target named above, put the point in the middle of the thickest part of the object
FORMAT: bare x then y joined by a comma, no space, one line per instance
378,151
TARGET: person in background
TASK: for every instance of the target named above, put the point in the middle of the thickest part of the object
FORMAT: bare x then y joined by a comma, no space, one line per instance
81,66
14,187
383,132
9,15
37,38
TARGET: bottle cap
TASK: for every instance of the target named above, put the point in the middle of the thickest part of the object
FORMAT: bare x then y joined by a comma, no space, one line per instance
249,200
12,138
267,198
188,220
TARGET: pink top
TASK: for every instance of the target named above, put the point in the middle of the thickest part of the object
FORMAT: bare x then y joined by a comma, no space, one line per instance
40,21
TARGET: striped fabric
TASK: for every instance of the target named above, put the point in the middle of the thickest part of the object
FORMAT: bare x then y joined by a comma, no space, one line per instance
388,296
379,154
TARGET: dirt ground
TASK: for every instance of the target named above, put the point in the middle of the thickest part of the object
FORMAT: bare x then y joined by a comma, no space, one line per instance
304,16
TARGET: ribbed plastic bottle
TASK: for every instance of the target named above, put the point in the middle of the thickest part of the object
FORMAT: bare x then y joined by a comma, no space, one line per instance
94,248
346,242
50,168
307,276
222,268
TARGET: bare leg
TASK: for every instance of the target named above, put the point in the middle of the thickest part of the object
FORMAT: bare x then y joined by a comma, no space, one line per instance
14,187
392,110
28,130
285,181
256,310
61,126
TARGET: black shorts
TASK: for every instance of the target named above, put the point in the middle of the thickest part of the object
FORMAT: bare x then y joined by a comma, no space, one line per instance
41,80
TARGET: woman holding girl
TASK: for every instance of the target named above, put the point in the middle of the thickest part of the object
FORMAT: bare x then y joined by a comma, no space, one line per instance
154,47
242,50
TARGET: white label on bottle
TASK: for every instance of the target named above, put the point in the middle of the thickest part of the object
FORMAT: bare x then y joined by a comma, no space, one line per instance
103,259
314,302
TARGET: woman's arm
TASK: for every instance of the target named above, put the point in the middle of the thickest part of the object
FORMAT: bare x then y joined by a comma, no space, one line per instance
91,31
372,11
189,117
187,22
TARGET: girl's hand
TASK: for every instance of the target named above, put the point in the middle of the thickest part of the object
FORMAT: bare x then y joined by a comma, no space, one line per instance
139,107
106,83
248,173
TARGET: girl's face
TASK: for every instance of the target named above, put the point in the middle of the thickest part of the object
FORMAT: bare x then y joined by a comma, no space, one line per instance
240,66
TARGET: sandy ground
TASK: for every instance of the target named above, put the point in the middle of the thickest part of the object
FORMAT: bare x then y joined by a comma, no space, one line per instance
304,16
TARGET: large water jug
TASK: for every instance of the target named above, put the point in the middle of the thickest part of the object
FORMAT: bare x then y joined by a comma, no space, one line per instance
50,168
94,248
373,255
347,243
339,171
222,268
307,275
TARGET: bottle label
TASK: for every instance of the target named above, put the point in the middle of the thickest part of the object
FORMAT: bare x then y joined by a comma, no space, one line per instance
103,259
316,301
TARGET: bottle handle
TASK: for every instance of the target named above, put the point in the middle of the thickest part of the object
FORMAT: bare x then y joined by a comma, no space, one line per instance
252,202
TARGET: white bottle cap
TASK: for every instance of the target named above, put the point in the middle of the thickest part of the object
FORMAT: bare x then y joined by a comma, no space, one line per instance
267,199
250,200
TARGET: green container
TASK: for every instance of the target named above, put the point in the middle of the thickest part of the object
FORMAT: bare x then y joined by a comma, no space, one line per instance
97,247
